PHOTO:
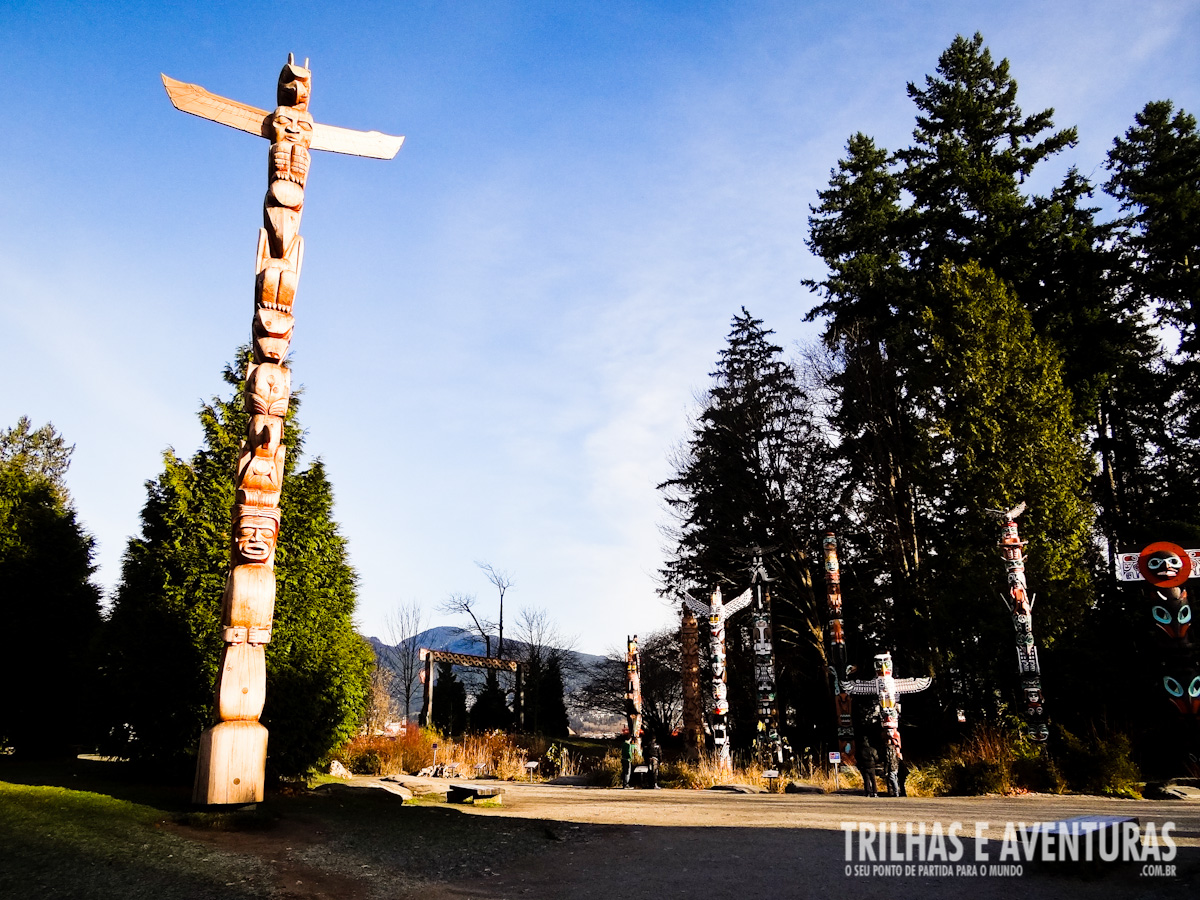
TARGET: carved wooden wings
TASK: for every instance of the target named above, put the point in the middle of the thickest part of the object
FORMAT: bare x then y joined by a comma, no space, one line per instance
191,98
736,605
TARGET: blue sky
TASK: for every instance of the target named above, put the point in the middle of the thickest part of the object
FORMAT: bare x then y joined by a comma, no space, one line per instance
501,332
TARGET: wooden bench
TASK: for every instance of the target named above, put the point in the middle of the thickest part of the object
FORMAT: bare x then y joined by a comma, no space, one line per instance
461,793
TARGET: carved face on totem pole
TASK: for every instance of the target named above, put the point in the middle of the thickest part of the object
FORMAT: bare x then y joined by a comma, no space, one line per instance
1033,702
762,636
720,698
272,334
883,665
295,84
718,661
1165,565
291,138
1172,613
255,531
1184,691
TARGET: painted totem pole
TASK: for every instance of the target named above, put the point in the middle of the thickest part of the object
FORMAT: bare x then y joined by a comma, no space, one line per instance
633,690
886,690
232,758
717,614
764,666
1020,604
1165,568
693,707
835,641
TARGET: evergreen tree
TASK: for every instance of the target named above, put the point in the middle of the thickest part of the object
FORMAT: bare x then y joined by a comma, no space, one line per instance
754,475
449,701
163,638
915,399
41,453
1156,177
545,704
490,711
48,601
998,431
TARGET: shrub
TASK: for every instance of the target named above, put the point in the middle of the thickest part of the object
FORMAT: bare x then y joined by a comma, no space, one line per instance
1098,765
385,755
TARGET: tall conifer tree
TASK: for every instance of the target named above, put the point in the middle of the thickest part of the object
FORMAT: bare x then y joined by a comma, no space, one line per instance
47,600
163,638
919,246
755,473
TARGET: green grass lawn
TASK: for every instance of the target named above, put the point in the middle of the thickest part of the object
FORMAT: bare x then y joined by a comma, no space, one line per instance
86,829
68,843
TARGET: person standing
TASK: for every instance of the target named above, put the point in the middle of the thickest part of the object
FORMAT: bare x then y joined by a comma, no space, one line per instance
866,765
654,754
626,760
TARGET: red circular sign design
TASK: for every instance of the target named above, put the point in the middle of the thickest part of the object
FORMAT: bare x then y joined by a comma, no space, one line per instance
1185,564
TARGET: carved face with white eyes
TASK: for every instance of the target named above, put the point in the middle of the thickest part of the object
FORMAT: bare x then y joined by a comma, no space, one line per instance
1184,691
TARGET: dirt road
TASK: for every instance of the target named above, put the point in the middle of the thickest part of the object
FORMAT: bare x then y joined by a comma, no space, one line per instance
665,844
95,831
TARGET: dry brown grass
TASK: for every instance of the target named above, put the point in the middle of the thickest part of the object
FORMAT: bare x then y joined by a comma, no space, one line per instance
497,755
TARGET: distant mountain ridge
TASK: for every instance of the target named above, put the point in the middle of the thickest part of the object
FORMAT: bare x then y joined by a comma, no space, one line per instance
460,640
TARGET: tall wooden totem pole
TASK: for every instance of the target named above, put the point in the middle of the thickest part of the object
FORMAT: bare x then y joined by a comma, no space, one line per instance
886,689
1164,569
693,705
717,613
835,647
633,690
1020,605
232,759
767,739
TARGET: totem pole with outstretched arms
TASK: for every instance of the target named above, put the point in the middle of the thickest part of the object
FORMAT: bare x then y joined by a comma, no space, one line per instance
231,764
717,613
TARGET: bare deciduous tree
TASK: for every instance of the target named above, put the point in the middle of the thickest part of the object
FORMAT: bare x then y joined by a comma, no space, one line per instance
381,705
465,605
662,691
542,641
404,624
502,581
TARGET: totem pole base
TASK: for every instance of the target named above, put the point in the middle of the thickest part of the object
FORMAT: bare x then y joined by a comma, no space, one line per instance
231,766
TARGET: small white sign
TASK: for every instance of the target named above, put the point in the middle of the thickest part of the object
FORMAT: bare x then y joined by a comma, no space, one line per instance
835,757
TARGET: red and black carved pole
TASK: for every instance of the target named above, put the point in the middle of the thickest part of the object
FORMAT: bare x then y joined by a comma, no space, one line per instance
835,644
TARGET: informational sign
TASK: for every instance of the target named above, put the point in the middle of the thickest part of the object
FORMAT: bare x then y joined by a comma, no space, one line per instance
835,757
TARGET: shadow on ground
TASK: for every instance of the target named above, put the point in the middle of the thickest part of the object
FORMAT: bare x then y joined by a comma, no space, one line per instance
81,830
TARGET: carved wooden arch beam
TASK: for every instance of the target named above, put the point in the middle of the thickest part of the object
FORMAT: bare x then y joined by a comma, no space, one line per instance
467,659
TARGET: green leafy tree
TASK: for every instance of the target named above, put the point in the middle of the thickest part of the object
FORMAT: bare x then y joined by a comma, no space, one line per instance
50,606
163,637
